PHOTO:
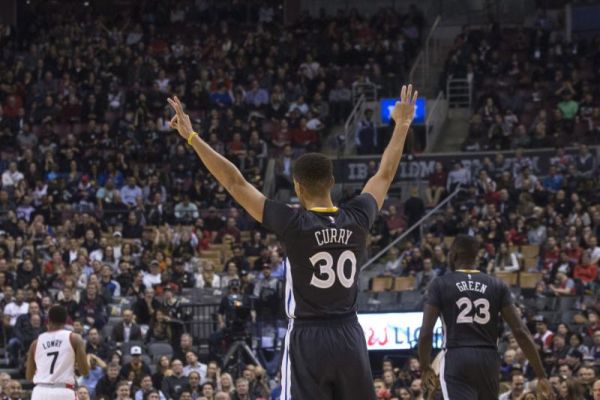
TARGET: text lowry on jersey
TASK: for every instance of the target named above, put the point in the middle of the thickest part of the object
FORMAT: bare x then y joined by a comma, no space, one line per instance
51,343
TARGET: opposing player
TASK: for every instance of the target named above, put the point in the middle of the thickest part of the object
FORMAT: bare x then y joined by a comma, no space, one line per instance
325,351
52,358
470,304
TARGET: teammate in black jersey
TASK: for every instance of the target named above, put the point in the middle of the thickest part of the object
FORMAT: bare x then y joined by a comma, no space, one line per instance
470,304
325,351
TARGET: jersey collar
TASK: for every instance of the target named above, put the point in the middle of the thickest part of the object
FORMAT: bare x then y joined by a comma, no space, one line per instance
324,209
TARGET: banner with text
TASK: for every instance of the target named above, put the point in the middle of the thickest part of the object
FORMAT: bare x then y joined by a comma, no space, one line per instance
396,331
356,169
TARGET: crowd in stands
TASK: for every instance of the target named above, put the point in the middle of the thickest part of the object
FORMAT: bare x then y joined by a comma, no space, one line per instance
539,232
532,87
105,211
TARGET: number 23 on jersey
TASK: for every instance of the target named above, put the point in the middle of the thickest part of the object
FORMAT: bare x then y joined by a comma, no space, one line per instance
480,316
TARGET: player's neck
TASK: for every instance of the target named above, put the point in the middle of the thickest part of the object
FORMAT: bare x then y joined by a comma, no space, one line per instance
52,328
321,203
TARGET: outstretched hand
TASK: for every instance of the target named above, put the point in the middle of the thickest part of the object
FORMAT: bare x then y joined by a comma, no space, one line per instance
404,110
181,121
431,382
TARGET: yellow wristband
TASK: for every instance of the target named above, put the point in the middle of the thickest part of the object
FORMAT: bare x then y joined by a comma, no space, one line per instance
191,137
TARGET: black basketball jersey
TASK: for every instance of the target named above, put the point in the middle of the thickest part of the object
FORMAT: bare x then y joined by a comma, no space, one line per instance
324,248
470,303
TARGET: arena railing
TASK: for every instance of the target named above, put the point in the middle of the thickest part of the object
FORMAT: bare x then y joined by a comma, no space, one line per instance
351,124
436,117
416,225
420,71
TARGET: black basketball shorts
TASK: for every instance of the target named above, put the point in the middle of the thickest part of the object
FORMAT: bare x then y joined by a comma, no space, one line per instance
470,373
326,360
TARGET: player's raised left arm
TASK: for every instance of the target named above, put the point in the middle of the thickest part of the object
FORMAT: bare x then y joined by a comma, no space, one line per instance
30,368
402,114
250,198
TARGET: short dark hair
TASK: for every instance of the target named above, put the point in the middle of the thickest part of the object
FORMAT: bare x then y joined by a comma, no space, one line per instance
57,315
466,248
314,172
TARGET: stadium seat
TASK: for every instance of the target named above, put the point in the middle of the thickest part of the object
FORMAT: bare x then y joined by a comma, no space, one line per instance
158,349
528,280
566,303
566,317
530,251
510,278
382,283
403,283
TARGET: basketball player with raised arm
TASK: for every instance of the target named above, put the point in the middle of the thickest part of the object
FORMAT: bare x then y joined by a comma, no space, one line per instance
470,304
52,359
325,354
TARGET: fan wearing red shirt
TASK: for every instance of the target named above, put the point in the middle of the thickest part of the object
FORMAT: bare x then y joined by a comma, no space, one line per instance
586,271
564,285
304,137
551,253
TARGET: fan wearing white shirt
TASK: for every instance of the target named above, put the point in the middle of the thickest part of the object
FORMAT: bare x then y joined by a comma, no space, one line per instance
11,177
16,308
193,365
153,277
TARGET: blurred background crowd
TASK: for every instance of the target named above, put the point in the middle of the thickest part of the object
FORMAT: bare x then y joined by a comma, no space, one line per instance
103,209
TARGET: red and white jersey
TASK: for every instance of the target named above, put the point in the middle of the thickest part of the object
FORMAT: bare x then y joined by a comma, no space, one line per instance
55,358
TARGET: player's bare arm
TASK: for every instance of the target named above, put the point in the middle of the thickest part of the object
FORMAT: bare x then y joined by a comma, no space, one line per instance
250,198
30,367
430,316
402,115
81,359
521,333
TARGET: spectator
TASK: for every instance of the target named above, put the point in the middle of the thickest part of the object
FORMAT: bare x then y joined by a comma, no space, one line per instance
242,390
436,185
15,308
12,176
543,335
126,330
147,391
458,176
517,387
173,384
107,385
564,285
366,136
185,211
130,192
123,391
97,345
136,369
207,278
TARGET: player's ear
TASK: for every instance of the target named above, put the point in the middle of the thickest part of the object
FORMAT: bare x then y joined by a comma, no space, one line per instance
297,187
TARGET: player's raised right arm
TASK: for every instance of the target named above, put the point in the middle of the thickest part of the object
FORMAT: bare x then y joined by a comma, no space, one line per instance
402,114
250,198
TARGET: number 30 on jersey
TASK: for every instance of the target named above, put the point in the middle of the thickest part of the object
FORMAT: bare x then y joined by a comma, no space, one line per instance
324,261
